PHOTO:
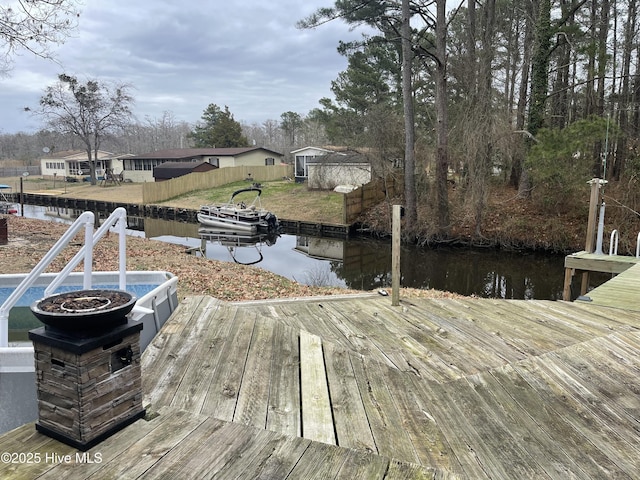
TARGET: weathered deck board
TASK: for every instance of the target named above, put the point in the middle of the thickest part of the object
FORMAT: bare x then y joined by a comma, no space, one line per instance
599,263
591,318
180,444
423,428
514,324
574,373
314,318
190,394
224,387
172,346
563,448
523,424
317,417
349,415
284,395
390,334
620,292
384,419
131,456
611,453
253,398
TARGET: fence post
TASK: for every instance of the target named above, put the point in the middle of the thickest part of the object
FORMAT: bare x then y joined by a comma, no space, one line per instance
395,255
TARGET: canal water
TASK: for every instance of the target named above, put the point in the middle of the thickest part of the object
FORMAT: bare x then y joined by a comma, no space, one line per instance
361,263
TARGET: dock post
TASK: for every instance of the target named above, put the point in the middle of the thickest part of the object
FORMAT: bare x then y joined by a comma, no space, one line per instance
593,211
395,255
590,246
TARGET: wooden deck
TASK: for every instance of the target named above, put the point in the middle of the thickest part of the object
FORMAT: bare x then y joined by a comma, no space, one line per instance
355,388
585,263
619,292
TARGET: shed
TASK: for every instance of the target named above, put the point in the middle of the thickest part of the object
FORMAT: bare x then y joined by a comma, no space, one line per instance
327,167
339,168
169,170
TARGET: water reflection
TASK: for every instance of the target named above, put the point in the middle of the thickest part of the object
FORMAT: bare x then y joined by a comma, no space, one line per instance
237,244
363,263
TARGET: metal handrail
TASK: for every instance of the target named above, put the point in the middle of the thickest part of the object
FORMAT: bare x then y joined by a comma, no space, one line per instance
613,246
638,246
85,220
117,218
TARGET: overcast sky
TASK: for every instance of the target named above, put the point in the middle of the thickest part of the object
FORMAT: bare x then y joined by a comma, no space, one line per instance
182,56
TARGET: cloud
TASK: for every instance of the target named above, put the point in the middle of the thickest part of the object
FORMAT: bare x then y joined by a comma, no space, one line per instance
182,56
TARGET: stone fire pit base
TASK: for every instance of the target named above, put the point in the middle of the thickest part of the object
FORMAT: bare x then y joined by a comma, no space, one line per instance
88,388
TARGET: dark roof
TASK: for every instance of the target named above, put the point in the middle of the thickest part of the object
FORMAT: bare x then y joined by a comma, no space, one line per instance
349,156
177,169
185,153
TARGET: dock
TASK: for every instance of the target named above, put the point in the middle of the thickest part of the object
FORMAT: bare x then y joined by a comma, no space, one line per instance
584,262
352,387
619,292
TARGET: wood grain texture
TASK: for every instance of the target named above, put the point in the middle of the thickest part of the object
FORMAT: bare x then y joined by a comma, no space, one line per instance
357,388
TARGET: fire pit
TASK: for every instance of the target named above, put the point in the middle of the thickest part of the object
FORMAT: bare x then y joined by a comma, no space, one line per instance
87,359
84,310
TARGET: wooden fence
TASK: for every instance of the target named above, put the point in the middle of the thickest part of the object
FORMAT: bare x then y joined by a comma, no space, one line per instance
369,195
160,191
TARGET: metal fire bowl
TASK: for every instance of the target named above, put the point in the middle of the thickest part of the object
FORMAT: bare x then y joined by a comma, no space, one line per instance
84,320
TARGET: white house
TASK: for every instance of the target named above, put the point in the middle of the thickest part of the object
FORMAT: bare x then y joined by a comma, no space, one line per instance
327,168
73,164
303,156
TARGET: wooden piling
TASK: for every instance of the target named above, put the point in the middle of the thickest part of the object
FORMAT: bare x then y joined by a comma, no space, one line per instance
395,255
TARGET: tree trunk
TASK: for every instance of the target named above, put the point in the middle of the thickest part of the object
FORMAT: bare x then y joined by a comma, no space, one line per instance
625,92
409,122
518,160
540,68
442,161
483,158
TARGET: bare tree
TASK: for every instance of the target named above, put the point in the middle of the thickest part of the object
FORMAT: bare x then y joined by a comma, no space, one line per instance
34,25
88,111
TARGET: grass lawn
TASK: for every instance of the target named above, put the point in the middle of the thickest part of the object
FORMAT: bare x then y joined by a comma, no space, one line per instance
287,200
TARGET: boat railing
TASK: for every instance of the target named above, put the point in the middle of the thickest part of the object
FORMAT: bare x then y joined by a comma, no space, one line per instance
85,220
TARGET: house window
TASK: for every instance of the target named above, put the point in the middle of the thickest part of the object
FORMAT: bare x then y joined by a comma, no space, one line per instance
270,161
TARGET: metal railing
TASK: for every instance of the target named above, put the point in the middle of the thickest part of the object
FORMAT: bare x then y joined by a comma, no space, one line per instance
86,220
613,243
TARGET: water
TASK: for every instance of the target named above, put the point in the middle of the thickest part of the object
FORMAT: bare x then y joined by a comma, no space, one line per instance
364,263
21,319
37,292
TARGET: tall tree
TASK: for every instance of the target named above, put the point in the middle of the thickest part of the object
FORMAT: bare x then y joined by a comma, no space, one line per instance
34,25
387,18
409,119
367,86
218,129
291,123
442,118
89,111
625,105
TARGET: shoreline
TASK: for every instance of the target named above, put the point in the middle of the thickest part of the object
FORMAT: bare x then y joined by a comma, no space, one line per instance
30,239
